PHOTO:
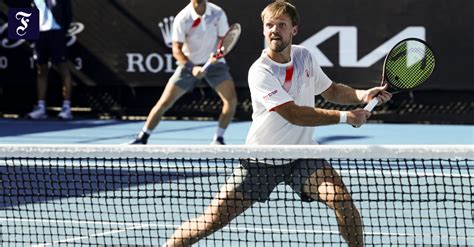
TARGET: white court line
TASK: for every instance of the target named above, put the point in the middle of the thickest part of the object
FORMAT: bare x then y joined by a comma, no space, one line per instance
87,237
401,173
70,222
135,226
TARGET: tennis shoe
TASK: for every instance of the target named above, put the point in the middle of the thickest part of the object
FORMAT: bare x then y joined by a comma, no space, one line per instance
218,141
141,139
37,113
65,114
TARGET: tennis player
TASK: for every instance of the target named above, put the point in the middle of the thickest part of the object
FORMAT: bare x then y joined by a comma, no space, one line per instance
199,21
283,83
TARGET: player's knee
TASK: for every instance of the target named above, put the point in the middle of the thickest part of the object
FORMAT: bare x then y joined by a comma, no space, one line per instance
230,103
336,197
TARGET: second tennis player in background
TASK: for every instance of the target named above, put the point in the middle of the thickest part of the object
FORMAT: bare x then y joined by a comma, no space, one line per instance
196,31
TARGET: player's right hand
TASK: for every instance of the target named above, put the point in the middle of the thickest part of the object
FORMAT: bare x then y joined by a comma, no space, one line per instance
357,117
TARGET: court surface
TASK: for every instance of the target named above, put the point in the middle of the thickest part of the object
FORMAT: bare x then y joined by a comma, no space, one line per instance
199,132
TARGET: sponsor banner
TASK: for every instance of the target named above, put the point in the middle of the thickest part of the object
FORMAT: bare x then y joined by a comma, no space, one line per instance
129,42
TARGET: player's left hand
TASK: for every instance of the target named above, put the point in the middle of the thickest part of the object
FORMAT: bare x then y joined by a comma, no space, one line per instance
380,92
212,58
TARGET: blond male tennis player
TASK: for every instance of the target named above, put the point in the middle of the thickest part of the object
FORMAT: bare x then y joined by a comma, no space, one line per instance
283,83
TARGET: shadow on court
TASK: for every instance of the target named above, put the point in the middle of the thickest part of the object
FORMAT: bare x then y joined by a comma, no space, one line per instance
16,127
159,131
41,183
330,139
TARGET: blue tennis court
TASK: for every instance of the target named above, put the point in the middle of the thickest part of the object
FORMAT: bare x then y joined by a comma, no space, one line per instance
138,205
200,132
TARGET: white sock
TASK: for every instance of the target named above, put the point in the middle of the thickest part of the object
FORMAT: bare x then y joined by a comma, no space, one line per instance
67,104
148,131
219,133
42,104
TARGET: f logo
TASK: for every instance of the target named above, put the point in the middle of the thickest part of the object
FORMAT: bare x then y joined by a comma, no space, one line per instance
23,23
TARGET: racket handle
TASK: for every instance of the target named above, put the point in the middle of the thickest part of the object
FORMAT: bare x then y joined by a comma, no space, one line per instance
371,105
206,65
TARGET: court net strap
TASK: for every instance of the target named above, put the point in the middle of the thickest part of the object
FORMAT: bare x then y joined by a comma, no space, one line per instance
241,151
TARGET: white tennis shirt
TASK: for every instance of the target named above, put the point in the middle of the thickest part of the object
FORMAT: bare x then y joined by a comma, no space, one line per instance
47,20
199,34
273,84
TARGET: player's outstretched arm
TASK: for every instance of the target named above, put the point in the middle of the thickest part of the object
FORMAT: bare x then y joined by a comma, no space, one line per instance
309,116
344,95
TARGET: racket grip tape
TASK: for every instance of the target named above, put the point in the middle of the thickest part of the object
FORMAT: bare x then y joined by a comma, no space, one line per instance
371,105
206,65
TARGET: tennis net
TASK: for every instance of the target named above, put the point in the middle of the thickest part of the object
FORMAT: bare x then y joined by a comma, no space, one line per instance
128,195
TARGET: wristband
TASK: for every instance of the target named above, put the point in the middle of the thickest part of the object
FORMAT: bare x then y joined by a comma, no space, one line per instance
342,117
189,65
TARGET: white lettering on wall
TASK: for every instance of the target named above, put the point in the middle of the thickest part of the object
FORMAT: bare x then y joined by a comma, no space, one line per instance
348,45
149,63
3,62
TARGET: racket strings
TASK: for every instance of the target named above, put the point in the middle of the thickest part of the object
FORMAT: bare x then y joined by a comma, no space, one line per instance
409,65
230,40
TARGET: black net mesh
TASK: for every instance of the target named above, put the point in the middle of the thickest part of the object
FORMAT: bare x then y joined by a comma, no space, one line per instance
141,201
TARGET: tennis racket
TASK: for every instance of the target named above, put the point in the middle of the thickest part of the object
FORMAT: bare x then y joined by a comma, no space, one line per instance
407,66
226,44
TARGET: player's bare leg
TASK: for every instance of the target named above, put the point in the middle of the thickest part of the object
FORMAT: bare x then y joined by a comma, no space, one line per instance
66,78
226,91
170,95
39,111
42,81
327,186
227,205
